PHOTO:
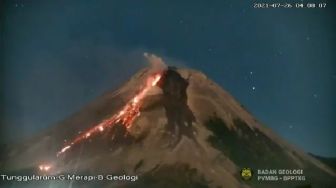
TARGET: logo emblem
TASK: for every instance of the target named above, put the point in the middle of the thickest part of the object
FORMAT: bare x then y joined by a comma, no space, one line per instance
246,173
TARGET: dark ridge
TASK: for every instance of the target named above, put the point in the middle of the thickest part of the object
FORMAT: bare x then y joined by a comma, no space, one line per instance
138,165
178,113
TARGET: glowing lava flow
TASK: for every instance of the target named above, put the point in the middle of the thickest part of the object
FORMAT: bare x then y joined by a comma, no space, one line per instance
125,116
44,168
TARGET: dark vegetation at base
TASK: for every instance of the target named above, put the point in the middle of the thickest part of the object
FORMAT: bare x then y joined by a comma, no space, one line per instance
251,148
171,176
245,146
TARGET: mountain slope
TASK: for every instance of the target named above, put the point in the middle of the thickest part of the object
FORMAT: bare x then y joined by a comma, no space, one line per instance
191,133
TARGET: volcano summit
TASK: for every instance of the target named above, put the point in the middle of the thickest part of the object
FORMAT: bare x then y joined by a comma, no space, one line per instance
182,131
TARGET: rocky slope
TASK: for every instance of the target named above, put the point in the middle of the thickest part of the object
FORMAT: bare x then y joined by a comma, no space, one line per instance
191,133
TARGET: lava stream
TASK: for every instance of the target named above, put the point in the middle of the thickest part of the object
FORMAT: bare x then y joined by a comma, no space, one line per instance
125,116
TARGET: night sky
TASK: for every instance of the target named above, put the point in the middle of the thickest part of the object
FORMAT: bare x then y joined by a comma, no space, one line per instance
57,56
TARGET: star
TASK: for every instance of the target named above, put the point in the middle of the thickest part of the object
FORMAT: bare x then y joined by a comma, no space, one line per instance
315,95
290,126
253,88
251,73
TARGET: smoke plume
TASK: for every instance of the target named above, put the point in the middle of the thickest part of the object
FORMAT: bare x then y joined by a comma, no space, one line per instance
156,63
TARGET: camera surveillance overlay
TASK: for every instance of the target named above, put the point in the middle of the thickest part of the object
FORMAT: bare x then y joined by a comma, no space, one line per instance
171,94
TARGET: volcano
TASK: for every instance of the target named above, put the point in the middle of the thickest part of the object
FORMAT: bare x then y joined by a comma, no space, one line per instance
187,132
